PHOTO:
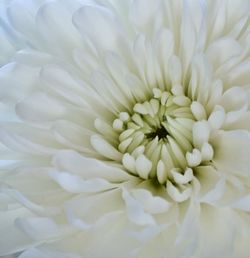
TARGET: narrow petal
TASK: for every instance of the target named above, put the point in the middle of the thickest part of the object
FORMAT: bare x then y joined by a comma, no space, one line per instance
89,168
75,184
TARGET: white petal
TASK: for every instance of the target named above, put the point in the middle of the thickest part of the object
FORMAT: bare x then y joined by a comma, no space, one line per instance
188,36
175,72
105,129
207,152
24,144
87,167
161,172
9,40
175,193
165,48
39,227
73,136
100,25
91,208
40,107
182,178
222,50
151,204
193,158
217,231
75,184
65,85
201,133
242,203
232,150
239,75
104,148
17,81
143,166
119,70
218,19
212,184
143,11
201,79
177,151
14,240
74,91
198,110
242,123
128,162
57,17
33,57
135,210
216,192
191,220
22,18
217,118
235,107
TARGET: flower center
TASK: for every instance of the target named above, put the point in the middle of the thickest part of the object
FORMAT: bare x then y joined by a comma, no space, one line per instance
164,139
156,134
161,132
160,139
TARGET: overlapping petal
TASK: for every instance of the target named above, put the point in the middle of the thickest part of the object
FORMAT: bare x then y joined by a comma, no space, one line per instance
124,128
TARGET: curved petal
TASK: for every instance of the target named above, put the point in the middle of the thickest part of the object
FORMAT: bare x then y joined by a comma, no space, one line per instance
231,149
212,184
14,240
100,25
16,81
222,50
143,12
89,168
135,210
234,107
239,75
242,123
75,184
57,16
22,18
151,204
42,108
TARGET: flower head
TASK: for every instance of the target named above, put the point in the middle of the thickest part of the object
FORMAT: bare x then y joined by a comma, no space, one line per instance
125,128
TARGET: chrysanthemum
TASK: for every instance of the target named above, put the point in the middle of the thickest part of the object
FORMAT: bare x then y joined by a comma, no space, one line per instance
124,128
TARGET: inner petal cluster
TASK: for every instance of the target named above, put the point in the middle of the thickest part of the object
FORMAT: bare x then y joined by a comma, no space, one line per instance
156,135
162,139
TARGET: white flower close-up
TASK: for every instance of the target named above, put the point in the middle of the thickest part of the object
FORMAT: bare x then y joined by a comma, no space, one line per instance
125,128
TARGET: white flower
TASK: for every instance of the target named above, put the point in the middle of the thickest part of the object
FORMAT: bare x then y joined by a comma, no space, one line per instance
125,128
